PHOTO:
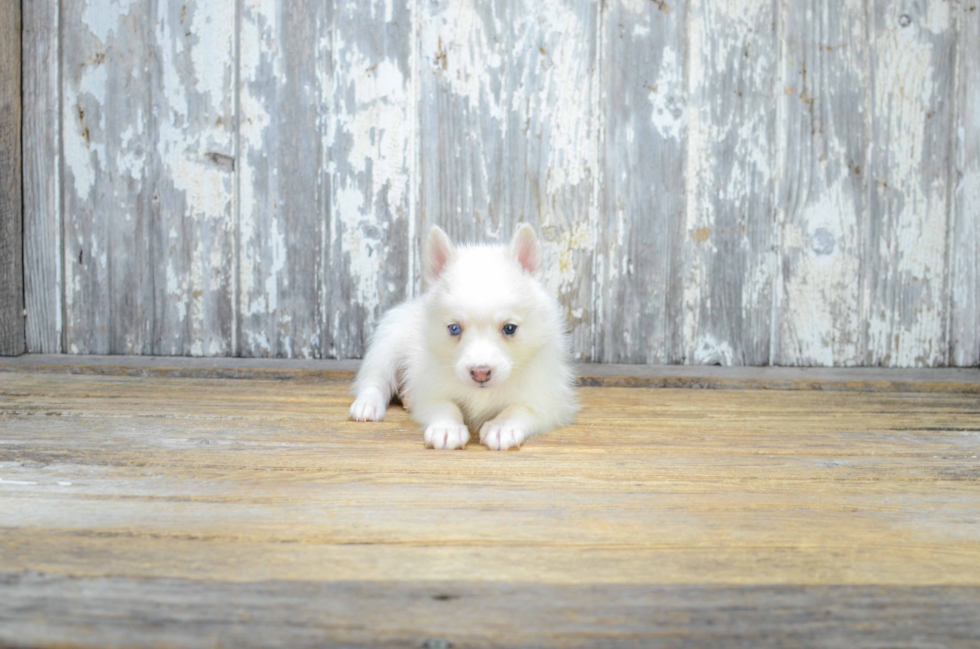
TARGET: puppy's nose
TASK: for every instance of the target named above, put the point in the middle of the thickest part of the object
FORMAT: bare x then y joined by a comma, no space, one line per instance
481,373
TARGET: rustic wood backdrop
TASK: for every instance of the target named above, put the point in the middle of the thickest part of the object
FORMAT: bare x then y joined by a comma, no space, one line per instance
735,182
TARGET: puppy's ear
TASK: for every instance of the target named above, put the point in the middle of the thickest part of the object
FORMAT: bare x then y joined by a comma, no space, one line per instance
438,252
524,247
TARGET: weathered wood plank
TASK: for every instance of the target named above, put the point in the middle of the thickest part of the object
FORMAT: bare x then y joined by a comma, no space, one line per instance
283,60
640,247
729,258
509,94
263,481
906,231
873,379
192,166
11,207
106,122
823,161
12,340
369,125
41,609
964,284
43,290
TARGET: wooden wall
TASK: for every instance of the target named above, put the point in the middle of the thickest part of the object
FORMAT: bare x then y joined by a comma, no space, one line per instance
733,182
11,212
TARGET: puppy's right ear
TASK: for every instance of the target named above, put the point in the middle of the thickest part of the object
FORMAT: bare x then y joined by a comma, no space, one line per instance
438,252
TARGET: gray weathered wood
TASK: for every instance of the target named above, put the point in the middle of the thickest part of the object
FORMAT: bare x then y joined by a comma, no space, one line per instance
108,195
43,289
282,59
905,251
369,129
640,247
509,98
822,163
11,208
108,611
964,271
713,182
728,247
191,163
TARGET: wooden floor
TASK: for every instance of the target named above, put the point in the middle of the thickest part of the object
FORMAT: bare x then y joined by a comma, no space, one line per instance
158,511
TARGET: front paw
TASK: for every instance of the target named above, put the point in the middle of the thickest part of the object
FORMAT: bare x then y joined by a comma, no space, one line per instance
446,435
370,405
500,435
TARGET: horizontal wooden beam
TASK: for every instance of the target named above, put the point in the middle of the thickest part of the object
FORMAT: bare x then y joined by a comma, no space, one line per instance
436,614
961,380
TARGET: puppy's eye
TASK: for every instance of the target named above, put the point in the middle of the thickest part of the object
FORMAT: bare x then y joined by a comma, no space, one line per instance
455,329
510,329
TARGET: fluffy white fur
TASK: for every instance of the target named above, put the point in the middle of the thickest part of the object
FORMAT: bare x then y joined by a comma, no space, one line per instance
438,375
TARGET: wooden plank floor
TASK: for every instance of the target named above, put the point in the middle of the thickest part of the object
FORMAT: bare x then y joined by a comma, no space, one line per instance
161,511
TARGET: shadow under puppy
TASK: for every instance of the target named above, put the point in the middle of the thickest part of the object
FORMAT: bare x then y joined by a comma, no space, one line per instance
483,348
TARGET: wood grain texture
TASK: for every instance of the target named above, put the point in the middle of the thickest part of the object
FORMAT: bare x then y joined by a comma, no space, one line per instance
509,120
964,284
641,236
729,260
158,494
714,182
42,609
43,290
191,162
11,206
905,256
871,379
369,126
823,153
281,66
108,192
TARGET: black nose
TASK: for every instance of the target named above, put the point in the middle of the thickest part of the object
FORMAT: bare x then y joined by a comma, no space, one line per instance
481,374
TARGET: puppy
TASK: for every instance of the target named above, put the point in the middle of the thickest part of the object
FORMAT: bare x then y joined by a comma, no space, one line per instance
483,348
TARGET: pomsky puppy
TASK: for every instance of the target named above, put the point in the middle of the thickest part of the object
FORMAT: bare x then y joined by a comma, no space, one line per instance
483,348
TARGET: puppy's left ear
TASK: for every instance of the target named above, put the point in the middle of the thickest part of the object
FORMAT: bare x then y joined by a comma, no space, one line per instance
524,247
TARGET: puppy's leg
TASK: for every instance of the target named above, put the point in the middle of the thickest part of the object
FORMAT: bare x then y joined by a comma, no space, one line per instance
377,378
443,421
510,428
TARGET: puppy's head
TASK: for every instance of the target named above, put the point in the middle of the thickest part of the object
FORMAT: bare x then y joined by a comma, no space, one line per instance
488,312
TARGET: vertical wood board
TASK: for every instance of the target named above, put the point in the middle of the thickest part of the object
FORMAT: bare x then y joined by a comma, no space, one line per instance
728,247
964,284
43,289
192,166
280,229
368,128
823,167
508,133
642,203
11,207
906,231
106,122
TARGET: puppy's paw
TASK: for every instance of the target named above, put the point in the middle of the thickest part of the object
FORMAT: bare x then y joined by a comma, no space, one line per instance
500,435
369,406
446,435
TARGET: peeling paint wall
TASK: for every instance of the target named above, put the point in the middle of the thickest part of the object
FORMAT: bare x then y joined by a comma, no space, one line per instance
730,182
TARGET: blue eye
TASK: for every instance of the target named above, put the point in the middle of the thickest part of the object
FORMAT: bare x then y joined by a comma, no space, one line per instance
455,329
510,329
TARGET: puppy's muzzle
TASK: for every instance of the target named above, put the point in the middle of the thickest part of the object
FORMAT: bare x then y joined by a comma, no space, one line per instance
481,373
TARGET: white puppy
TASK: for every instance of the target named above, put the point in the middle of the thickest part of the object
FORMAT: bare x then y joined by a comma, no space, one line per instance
483,347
